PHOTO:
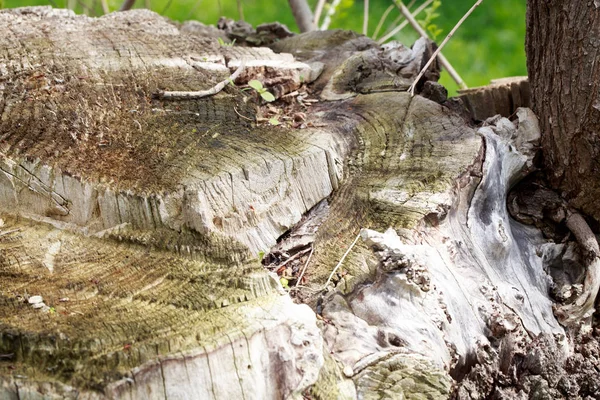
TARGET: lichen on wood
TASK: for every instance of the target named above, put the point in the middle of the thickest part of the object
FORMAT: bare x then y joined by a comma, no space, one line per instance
131,227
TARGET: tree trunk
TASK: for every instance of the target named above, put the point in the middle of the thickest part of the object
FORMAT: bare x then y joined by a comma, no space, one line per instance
563,40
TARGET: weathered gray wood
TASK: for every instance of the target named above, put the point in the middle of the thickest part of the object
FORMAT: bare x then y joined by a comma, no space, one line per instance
140,221
501,96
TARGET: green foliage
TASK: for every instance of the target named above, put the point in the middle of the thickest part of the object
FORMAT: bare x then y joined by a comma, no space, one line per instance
430,15
284,282
264,93
222,43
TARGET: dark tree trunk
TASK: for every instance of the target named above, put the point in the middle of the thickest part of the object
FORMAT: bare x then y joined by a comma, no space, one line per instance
563,42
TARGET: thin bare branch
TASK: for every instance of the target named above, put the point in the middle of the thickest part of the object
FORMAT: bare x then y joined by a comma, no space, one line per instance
382,21
302,15
443,60
240,10
87,9
202,93
292,258
366,18
127,4
341,260
318,12
105,8
166,7
330,13
194,9
299,282
404,23
411,90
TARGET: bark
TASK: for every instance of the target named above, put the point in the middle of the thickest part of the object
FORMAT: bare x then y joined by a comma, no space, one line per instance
562,45
131,226
303,15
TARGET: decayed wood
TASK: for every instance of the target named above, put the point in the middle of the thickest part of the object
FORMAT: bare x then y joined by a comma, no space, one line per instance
470,267
502,96
158,165
126,281
131,226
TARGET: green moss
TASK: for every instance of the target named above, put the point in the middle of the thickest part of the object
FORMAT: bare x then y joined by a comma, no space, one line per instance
404,376
117,304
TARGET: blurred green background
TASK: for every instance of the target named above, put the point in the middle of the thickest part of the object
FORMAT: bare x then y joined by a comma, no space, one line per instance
488,45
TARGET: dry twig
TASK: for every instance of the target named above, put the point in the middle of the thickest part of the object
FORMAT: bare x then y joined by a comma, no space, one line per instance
382,21
330,14
404,23
105,8
299,281
366,18
341,261
318,12
240,10
451,70
127,4
202,93
292,258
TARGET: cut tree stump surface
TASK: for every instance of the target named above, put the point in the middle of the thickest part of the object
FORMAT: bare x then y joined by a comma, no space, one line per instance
140,221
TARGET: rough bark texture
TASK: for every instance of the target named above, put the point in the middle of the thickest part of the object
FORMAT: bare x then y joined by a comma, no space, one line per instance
563,41
131,226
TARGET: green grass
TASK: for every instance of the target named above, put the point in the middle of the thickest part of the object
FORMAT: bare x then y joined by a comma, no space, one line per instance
490,44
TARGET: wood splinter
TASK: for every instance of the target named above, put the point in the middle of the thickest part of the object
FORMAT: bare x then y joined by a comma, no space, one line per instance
178,95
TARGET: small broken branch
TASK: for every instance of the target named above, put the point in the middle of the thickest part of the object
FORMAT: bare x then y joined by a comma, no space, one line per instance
203,93
456,77
404,23
445,63
240,10
330,14
382,21
312,249
105,8
341,261
583,233
366,18
127,4
318,12
302,15
292,258
583,307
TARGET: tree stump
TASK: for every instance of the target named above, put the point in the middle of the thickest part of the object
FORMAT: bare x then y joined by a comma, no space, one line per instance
132,225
